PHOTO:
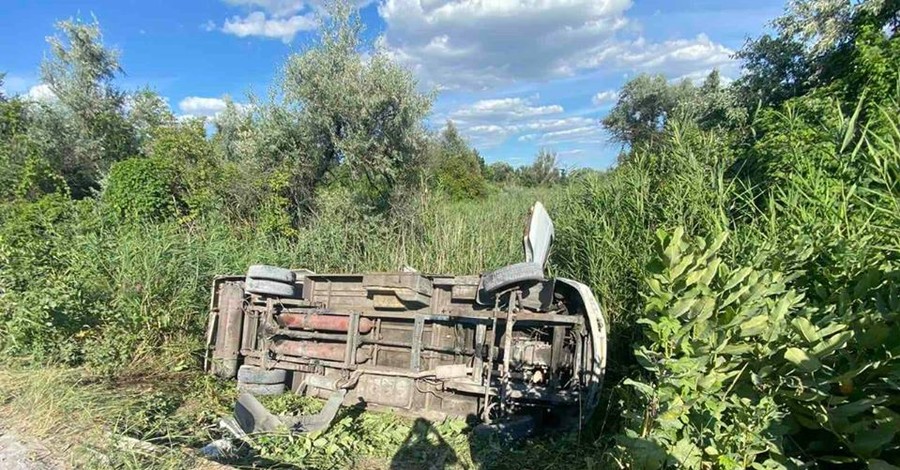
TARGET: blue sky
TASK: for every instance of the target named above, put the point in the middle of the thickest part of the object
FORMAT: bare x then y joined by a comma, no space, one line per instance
514,75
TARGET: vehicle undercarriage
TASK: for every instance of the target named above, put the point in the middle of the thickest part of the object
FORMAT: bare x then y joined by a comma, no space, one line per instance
501,347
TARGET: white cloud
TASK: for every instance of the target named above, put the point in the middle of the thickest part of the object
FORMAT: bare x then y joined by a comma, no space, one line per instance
479,44
198,106
505,108
281,19
606,97
491,122
285,8
258,24
675,58
277,8
41,93
575,130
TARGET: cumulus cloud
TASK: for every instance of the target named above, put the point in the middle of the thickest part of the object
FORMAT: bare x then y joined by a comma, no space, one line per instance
277,8
674,58
258,24
475,44
505,108
491,122
573,130
208,107
279,19
41,93
606,97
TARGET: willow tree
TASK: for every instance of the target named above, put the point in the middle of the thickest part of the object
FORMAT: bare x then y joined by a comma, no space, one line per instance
360,113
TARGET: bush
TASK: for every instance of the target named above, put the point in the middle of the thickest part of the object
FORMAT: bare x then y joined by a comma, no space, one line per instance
45,304
140,189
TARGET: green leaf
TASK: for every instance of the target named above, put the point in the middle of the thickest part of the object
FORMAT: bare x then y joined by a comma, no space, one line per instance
682,306
869,441
687,454
710,272
680,268
832,344
737,277
801,359
735,296
754,326
643,388
876,464
806,330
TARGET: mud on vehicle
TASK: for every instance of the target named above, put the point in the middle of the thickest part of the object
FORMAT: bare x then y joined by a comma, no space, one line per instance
505,347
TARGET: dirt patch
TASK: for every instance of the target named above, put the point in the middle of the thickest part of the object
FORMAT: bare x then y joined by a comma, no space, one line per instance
21,454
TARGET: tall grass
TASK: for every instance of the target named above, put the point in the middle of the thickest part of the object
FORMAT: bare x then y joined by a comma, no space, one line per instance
809,207
146,286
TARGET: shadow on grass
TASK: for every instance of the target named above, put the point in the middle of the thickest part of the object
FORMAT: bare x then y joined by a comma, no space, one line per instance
424,448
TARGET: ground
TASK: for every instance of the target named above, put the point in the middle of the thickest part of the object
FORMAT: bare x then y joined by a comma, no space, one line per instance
21,454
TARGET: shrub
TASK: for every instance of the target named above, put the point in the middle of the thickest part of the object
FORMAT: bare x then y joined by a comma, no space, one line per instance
141,189
44,302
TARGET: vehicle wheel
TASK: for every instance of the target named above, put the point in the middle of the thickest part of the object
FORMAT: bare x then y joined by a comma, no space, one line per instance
262,389
274,288
271,273
509,275
256,375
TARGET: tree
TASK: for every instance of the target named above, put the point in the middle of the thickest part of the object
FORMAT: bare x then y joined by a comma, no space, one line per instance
642,108
147,113
501,173
85,128
817,43
457,168
775,69
361,111
544,171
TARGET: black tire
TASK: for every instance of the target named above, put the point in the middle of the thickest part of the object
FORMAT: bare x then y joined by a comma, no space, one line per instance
262,389
510,275
271,273
255,375
273,288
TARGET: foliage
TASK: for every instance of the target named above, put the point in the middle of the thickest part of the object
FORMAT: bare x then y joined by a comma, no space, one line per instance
819,44
148,112
714,336
500,173
84,128
642,108
456,166
141,189
544,171
363,113
647,103
43,305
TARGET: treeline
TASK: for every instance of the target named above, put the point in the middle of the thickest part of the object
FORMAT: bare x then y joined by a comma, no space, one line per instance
335,121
